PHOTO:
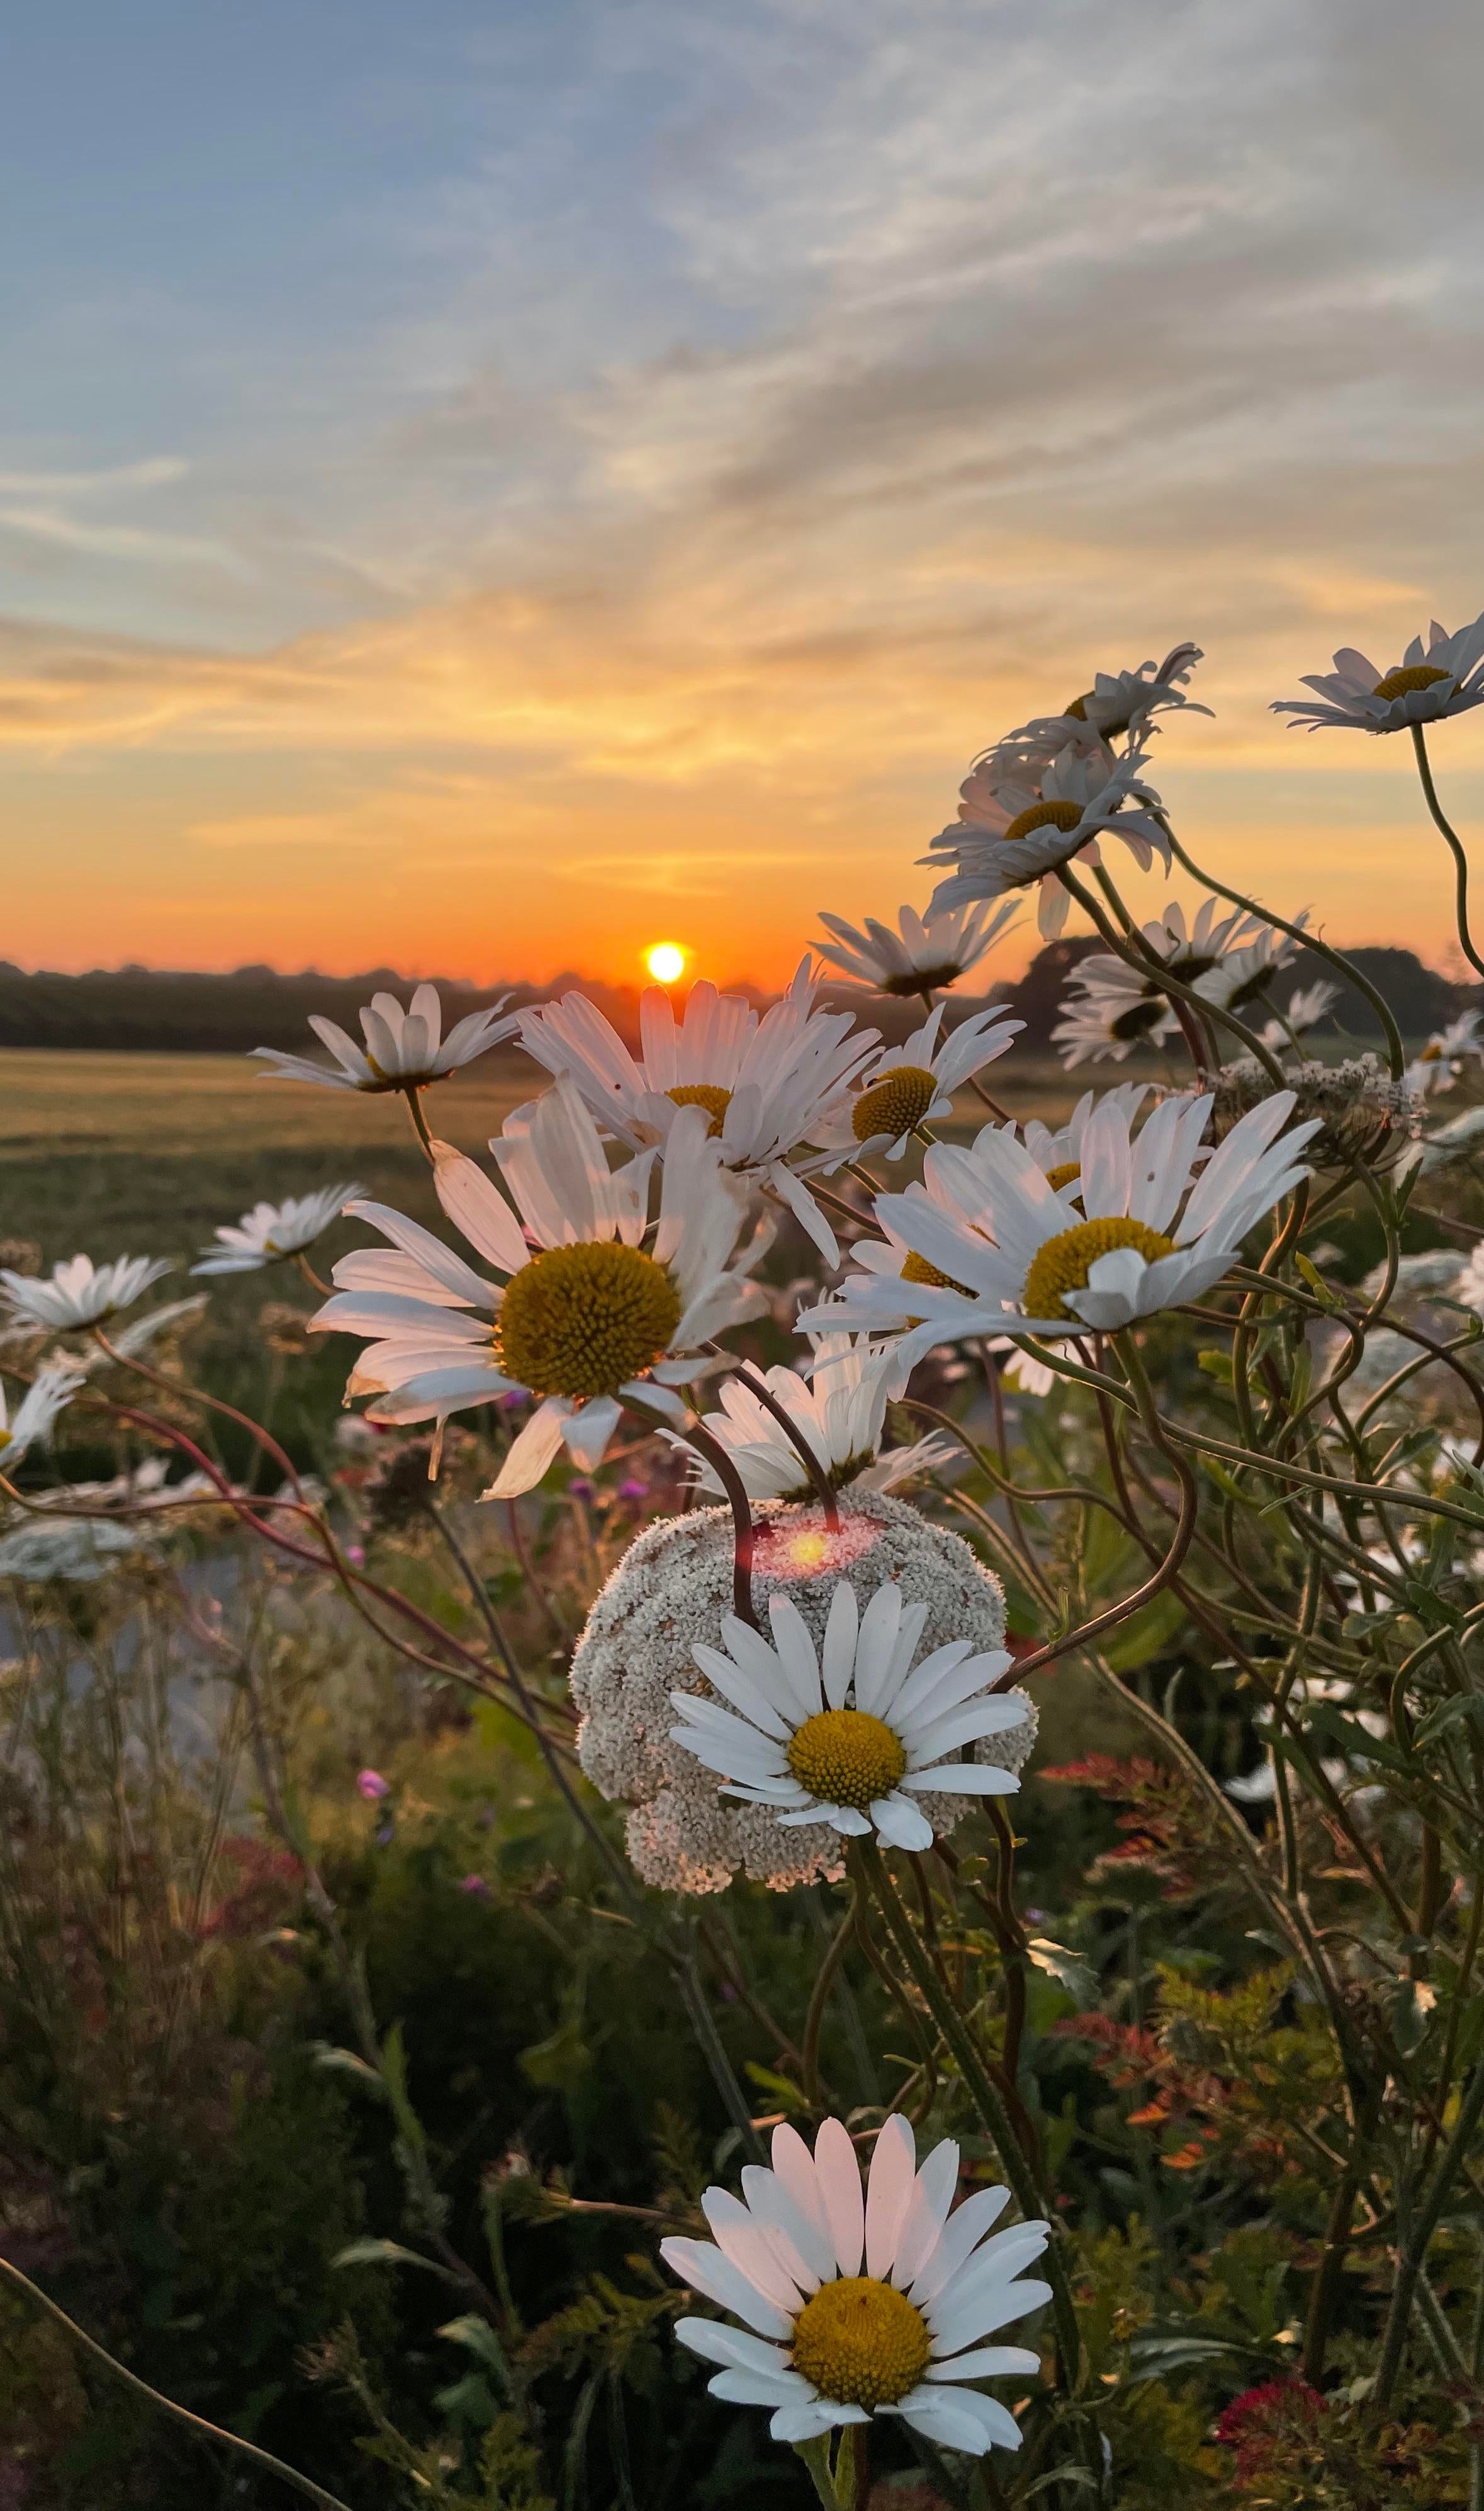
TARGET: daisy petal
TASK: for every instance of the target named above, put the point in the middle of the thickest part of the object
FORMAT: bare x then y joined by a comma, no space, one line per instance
839,2178
889,2188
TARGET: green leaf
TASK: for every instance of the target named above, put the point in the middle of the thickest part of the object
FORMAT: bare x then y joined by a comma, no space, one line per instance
1069,1970
345,2062
781,2089
388,2253
1449,1714
478,2338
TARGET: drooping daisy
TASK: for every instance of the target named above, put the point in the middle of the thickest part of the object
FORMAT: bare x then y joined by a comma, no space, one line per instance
1010,834
80,1293
405,1050
1108,1010
906,1087
848,1737
1244,973
49,1392
1112,1006
1150,1234
923,954
272,1233
863,2305
1442,1059
840,1408
1307,1005
587,1317
1445,679
1117,703
769,1087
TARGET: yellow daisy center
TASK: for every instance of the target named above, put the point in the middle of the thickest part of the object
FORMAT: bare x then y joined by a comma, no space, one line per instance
895,1104
703,1094
1063,1174
1431,1055
861,2343
1408,676
581,1320
4,1437
1045,814
918,1269
845,1757
1065,1261
922,980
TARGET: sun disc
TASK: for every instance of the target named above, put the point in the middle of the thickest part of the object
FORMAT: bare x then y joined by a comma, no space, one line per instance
666,962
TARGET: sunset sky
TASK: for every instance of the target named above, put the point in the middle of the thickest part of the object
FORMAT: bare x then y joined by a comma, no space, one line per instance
486,486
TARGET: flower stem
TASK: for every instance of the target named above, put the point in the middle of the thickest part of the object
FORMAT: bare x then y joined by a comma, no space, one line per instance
757,1385
414,1099
978,2084
1453,845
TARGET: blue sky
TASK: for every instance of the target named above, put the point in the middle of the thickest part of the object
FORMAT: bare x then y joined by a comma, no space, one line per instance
641,453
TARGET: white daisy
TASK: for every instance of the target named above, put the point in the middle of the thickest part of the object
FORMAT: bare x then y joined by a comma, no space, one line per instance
1442,1059
1307,1005
845,1747
273,1231
1246,971
1447,679
1008,834
769,1086
587,1317
862,2303
1117,703
1111,1006
1455,1140
908,1086
840,1406
1150,1234
405,1050
49,1390
80,1293
1108,1010
923,953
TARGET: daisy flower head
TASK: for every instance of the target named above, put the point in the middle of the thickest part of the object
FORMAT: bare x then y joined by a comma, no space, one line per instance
850,1734
861,2303
923,953
1010,834
271,1233
1108,1010
765,1084
840,1406
1118,704
1446,678
405,1050
79,1292
1442,1059
1150,1235
906,1087
49,1390
1307,1005
598,1307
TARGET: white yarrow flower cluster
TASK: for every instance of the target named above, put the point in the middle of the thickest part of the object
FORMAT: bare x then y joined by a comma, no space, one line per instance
860,2305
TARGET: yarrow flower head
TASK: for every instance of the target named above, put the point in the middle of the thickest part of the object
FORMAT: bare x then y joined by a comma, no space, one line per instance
1151,1233
1352,1109
850,1734
767,1086
80,1293
272,1233
1011,834
862,2303
922,955
405,1050
906,1087
1444,678
589,1316
840,1408
47,1395
1118,704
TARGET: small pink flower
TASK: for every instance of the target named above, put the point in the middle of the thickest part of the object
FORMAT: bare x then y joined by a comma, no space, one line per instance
373,1786
356,1554
476,1884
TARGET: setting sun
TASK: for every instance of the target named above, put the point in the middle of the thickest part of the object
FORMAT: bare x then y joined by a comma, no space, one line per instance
666,961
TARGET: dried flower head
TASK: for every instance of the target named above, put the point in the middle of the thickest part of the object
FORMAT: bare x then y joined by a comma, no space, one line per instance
1362,1112
670,1591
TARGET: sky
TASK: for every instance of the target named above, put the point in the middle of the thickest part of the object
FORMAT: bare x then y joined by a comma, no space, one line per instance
484,487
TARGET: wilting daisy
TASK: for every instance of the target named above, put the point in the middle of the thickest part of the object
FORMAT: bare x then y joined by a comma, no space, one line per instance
80,1293
1117,703
906,1087
923,954
862,2303
769,1087
587,1317
840,1408
1008,834
1443,1057
405,1050
1152,1234
847,1742
38,1408
271,1233
1445,679
1307,1005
